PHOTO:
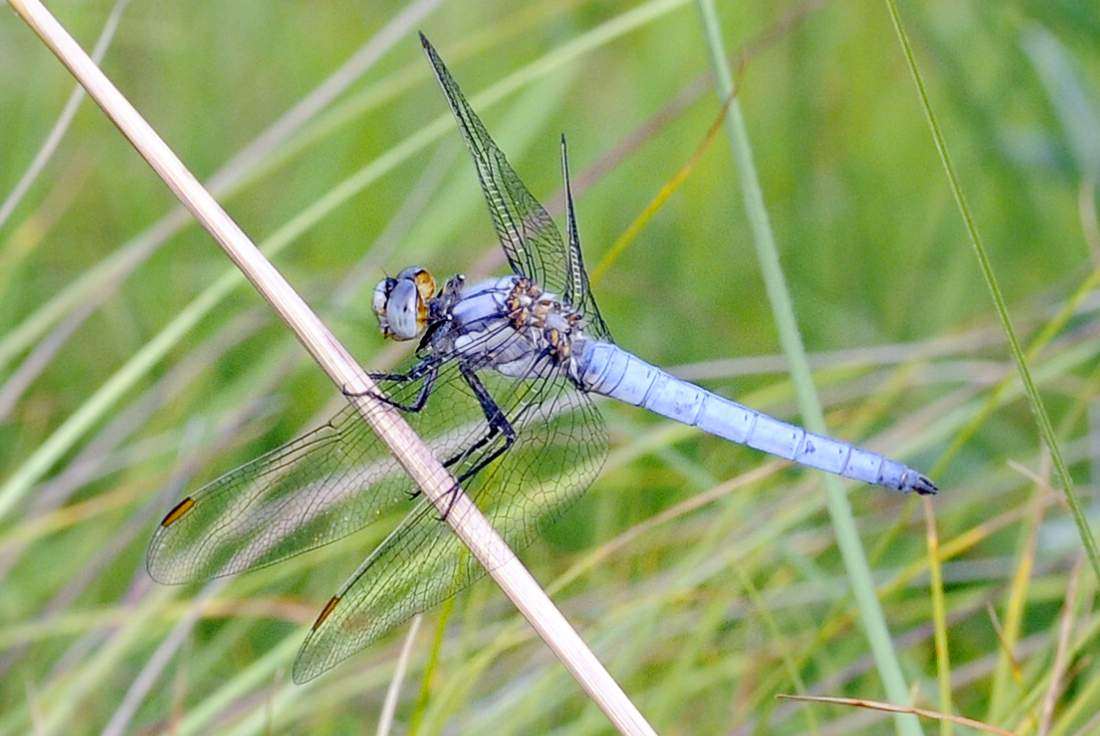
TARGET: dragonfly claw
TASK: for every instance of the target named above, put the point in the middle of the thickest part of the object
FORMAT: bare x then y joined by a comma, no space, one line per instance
923,486
452,495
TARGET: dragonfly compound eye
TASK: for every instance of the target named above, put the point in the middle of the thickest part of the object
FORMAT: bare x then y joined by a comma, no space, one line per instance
381,295
406,313
379,302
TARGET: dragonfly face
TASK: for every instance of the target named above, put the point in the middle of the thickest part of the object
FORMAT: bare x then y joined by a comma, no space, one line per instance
401,304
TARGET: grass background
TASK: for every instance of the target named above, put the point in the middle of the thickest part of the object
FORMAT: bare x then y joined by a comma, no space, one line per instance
706,576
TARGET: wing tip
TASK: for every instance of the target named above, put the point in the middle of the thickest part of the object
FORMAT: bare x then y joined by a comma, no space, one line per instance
160,574
306,665
301,674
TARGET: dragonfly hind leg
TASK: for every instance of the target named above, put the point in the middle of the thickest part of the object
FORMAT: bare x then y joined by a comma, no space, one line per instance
498,426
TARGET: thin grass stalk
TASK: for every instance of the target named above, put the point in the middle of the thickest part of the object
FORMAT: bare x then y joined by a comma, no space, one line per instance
892,708
939,617
1048,332
430,476
1046,429
1085,701
99,283
760,605
435,654
1006,676
68,112
851,547
1061,652
667,190
393,692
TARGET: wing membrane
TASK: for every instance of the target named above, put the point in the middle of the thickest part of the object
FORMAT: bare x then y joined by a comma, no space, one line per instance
527,233
298,497
559,451
310,492
577,292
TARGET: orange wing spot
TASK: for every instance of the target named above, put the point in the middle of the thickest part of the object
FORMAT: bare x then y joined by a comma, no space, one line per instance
325,612
178,511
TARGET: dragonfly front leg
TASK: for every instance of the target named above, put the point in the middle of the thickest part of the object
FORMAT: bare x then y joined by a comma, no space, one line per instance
498,426
426,370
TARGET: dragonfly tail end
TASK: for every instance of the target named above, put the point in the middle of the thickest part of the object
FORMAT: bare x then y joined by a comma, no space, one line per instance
923,485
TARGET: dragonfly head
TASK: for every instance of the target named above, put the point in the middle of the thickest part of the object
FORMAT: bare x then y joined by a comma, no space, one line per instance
401,303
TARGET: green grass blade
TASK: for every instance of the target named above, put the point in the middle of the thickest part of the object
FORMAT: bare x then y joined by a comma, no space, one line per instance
1034,399
939,617
66,436
851,548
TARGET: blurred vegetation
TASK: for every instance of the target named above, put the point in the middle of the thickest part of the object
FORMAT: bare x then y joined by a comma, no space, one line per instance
705,575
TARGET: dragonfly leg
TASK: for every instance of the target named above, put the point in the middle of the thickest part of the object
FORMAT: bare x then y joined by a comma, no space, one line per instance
498,426
425,366
426,370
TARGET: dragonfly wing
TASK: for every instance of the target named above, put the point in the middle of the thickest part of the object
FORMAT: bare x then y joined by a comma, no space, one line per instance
530,239
577,291
527,233
316,489
560,447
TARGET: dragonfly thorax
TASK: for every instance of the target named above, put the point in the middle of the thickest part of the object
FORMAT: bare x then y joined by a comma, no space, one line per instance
509,324
548,322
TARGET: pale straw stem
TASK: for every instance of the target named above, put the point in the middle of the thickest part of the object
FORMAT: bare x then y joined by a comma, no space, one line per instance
393,692
417,460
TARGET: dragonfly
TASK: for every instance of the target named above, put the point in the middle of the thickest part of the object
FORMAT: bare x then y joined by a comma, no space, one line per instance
500,386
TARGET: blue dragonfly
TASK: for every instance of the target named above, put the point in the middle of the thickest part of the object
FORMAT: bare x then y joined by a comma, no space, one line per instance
500,387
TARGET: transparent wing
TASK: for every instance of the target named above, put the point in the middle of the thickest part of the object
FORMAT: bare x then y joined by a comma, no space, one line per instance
526,231
577,293
308,493
305,494
560,448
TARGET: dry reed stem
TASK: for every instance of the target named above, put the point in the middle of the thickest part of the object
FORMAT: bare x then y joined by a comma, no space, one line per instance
1061,652
389,705
432,478
908,709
